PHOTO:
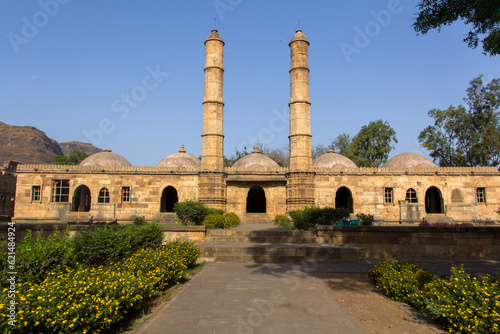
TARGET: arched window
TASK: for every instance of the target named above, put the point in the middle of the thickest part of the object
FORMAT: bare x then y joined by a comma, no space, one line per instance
343,199
168,199
434,201
103,195
256,200
81,199
411,196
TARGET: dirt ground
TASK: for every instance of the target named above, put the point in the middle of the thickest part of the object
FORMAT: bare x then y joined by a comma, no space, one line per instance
377,313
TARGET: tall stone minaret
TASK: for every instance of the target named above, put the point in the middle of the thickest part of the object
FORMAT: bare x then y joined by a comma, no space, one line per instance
300,106
213,137
300,179
212,178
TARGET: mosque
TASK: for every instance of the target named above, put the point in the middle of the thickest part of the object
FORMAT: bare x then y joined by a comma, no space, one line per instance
106,187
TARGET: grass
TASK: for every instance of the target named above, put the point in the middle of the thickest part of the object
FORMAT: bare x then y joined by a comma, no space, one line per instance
135,320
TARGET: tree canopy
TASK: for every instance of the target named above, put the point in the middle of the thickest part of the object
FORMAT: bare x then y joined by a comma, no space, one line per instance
74,158
483,15
467,137
372,145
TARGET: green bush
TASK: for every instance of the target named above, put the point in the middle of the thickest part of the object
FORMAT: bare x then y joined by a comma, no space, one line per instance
400,280
191,212
365,220
35,259
140,221
112,243
214,221
283,221
92,300
310,217
462,304
231,220
225,221
212,211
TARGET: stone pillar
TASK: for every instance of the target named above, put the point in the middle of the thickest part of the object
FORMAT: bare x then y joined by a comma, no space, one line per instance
212,178
300,179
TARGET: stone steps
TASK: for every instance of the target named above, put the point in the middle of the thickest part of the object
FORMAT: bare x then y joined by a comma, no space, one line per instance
279,253
273,246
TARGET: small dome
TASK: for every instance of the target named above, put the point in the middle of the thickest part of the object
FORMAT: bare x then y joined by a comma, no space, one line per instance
409,159
181,159
299,36
331,159
256,159
105,158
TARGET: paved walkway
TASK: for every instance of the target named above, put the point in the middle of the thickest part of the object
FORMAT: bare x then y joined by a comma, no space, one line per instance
253,298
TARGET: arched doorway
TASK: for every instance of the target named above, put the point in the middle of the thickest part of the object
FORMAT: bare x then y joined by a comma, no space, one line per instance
81,199
343,199
256,200
433,201
168,199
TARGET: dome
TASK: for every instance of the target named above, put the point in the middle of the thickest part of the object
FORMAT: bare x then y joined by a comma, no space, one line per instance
181,159
409,159
299,36
256,159
331,159
105,158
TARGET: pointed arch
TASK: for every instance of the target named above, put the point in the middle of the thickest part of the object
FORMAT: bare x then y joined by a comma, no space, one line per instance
168,199
81,199
434,200
343,199
256,200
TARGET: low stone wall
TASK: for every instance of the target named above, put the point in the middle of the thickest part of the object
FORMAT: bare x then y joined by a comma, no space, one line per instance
417,242
192,233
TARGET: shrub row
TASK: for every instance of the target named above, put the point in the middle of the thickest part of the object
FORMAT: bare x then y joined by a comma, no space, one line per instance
91,300
283,221
460,303
309,218
36,258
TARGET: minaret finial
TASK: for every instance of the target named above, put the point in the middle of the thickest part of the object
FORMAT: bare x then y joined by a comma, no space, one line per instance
299,24
215,22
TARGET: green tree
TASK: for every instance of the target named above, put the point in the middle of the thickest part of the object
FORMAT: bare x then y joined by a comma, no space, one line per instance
342,144
372,145
318,150
74,158
470,136
483,15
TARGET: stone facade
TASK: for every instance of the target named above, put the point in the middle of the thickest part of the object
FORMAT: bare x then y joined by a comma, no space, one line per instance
7,190
409,189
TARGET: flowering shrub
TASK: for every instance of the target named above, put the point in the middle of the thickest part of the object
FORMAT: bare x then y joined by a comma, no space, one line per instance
462,304
227,220
91,300
283,221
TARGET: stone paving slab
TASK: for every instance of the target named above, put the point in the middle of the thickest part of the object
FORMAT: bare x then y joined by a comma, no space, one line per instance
252,298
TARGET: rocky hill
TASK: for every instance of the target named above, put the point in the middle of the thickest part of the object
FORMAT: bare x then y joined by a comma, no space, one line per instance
28,145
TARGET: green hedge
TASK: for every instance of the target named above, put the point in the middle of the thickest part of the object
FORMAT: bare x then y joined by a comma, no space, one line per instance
228,220
91,300
310,217
460,303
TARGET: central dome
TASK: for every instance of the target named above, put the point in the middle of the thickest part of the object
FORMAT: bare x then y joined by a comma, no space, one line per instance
256,159
409,159
181,159
105,158
333,160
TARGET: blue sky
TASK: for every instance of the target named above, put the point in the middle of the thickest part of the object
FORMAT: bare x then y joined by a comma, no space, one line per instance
66,65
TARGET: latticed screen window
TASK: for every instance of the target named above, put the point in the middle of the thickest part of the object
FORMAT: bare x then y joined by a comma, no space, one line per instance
456,196
60,191
388,195
36,193
125,194
103,196
481,195
411,196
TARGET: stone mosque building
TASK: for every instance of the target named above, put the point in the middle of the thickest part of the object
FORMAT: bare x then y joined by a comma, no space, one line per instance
106,187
